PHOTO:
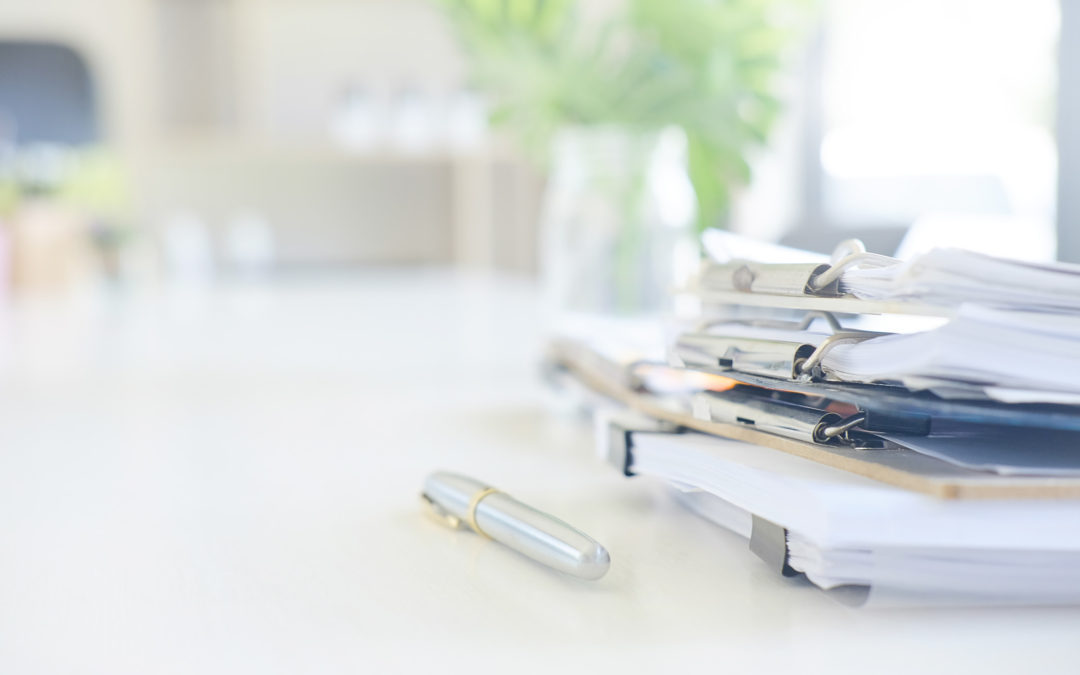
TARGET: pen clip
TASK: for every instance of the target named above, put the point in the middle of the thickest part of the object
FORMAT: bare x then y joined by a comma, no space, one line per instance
441,515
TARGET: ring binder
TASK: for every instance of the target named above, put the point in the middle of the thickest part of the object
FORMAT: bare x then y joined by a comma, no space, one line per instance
772,358
810,369
800,393
848,253
888,410
792,279
770,278
790,360
783,418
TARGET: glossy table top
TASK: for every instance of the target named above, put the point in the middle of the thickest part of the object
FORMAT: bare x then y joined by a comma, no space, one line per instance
225,481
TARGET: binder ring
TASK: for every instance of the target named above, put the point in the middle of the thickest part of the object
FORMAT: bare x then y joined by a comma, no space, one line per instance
470,515
833,273
848,253
807,367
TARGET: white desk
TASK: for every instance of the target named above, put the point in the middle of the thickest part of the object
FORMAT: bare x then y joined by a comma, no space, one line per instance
228,484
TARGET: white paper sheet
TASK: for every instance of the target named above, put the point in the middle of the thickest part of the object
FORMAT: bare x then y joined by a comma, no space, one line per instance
839,509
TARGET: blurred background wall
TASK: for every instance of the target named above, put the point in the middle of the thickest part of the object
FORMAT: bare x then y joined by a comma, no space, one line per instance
342,127
325,133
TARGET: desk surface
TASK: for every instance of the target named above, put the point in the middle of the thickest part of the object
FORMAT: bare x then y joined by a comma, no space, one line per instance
226,482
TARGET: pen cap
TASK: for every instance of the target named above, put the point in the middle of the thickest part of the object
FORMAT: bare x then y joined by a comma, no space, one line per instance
541,537
528,531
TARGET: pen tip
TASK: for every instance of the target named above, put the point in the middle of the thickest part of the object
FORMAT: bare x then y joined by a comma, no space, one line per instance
595,563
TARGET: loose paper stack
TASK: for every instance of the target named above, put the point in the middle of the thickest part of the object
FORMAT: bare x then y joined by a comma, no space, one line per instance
839,427
900,547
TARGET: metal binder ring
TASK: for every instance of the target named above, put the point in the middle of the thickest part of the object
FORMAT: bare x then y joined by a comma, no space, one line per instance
806,368
846,248
470,515
824,279
841,428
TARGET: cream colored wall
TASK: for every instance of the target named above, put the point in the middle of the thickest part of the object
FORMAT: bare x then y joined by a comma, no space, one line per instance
297,55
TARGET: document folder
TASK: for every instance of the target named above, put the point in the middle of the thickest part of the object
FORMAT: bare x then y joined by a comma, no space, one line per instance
800,365
877,544
783,358
794,279
934,283
892,464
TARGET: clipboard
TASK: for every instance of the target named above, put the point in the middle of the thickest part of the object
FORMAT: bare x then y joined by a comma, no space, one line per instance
784,359
810,286
814,279
796,366
892,464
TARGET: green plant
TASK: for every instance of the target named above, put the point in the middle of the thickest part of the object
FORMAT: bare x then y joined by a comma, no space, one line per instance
707,66
90,181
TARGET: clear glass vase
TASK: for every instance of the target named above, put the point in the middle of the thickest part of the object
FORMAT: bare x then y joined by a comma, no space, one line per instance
617,224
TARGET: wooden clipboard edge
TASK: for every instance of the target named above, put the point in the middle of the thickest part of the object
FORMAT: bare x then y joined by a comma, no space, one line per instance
917,472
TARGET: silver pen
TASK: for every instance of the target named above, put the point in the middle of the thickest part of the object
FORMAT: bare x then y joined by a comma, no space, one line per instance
458,501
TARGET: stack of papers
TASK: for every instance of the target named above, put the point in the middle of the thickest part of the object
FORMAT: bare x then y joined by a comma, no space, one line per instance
844,530
931,455
954,276
947,276
1011,356
1005,355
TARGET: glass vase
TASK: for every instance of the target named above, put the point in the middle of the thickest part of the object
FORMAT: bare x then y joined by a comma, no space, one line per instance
617,224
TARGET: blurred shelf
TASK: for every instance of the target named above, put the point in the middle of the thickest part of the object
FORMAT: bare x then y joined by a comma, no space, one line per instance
223,146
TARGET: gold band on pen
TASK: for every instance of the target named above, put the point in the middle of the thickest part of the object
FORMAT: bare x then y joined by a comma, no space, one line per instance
470,515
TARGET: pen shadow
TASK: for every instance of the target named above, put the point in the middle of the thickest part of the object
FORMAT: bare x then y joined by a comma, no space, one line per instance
483,558
652,583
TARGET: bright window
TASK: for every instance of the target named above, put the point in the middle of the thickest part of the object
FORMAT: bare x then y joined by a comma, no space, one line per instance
938,114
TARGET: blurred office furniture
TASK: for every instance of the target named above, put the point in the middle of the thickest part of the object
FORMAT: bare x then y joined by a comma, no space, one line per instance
51,249
222,107
357,119
325,205
187,249
47,94
249,244
353,146
48,109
